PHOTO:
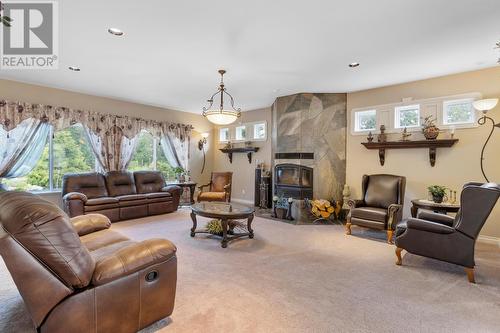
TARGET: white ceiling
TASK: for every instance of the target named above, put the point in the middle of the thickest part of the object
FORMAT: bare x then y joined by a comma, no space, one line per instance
171,50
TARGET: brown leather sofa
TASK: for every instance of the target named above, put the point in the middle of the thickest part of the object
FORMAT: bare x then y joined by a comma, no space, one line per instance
120,195
77,275
219,188
446,238
381,206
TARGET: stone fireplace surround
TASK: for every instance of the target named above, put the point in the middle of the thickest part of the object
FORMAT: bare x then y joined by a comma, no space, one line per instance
309,129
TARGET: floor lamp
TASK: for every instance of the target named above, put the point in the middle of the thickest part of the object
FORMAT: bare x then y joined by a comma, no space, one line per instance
486,105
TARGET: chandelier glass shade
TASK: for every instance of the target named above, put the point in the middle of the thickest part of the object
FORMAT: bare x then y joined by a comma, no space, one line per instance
220,115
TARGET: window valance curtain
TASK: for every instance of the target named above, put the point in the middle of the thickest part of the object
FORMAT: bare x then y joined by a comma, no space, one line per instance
112,137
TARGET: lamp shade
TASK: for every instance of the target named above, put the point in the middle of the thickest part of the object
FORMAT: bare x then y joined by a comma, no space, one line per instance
205,135
485,105
221,118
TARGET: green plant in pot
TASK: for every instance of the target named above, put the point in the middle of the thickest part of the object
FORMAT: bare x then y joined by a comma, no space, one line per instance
438,192
179,171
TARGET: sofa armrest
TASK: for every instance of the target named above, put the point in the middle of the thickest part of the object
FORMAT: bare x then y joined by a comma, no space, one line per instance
393,212
74,203
86,224
176,192
75,196
436,217
355,203
428,226
131,259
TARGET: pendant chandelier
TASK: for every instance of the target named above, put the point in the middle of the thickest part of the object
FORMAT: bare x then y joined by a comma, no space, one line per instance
219,115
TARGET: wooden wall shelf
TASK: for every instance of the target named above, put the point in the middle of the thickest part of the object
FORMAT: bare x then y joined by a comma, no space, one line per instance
247,150
430,144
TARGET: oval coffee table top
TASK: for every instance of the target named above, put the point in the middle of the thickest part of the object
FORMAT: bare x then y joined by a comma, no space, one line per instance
221,208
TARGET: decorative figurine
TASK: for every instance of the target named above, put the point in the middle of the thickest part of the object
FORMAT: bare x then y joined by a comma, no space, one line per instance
382,137
405,135
289,212
452,131
346,195
275,201
370,137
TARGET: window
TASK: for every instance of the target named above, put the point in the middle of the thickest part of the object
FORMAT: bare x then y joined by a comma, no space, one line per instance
458,112
143,156
224,134
71,154
67,151
365,120
241,132
148,155
407,116
259,131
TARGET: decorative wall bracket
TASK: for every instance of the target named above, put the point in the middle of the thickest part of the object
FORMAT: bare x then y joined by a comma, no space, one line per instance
430,144
247,150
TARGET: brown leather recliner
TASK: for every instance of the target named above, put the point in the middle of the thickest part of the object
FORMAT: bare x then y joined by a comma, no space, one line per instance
120,195
220,188
76,275
381,206
446,238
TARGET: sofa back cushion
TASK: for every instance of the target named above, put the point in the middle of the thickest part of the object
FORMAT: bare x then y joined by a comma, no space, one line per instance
382,191
91,184
45,231
149,181
120,183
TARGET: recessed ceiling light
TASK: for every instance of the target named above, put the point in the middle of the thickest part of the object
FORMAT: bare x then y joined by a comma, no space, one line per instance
115,31
354,64
74,68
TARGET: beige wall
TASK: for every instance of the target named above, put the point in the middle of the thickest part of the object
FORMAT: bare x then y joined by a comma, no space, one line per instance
18,91
454,166
243,172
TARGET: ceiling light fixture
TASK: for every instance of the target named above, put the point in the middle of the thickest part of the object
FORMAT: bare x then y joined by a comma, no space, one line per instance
74,68
219,115
115,31
354,64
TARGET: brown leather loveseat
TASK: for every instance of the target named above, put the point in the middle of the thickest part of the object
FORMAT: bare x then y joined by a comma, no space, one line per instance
76,275
120,195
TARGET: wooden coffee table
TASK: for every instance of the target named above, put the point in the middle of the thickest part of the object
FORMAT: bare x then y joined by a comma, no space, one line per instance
223,212
443,208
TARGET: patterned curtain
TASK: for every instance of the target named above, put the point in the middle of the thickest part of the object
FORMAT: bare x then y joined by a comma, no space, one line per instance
175,143
22,147
112,149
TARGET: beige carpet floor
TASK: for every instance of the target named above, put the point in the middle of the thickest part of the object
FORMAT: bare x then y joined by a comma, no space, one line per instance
305,279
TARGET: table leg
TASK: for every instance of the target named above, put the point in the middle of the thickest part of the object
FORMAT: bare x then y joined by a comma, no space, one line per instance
191,193
224,233
249,226
193,229
414,210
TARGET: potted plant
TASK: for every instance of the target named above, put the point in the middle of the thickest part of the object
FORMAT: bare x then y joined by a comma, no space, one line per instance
179,174
438,192
429,128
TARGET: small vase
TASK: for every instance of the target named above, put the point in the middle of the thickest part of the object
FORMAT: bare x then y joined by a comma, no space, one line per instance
431,133
281,213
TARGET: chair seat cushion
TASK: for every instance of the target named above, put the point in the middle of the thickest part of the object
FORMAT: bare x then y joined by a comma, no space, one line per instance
101,201
370,213
131,197
212,196
102,238
155,195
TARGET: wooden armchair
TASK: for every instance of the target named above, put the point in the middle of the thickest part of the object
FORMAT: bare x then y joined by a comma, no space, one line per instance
220,188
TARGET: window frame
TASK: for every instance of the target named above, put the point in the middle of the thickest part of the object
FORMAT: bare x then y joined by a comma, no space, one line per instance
249,129
356,121
254,126
228,134
409,107
444,113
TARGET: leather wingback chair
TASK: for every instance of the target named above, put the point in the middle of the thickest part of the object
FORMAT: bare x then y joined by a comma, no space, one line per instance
381,206
220,188
447,238
77,275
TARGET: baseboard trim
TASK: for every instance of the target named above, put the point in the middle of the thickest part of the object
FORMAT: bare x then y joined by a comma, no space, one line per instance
242,201
489,240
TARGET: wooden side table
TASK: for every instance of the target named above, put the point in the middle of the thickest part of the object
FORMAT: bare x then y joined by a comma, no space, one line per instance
190,185
443,208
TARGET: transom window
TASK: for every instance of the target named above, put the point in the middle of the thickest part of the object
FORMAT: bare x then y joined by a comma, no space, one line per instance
407,116
365,120
458,111
224,134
